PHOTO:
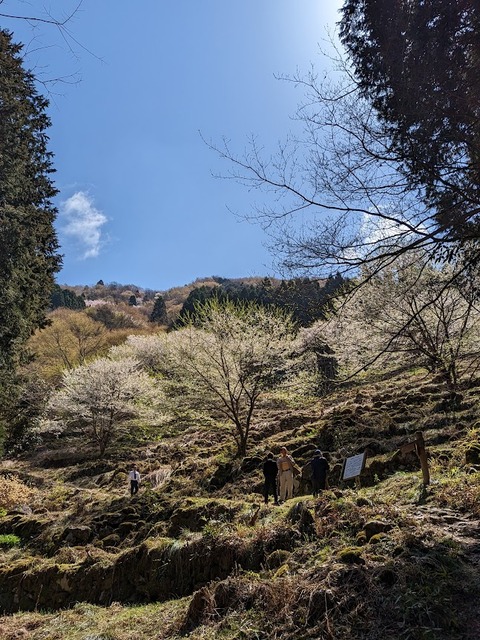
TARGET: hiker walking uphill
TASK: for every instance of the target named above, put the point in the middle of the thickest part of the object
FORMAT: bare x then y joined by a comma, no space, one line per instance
286,467
134,477
270,472
319,467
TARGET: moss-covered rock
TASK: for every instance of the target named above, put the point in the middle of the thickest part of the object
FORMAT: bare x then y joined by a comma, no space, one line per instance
155,570
193,515
77,535
351,555
300,515
375,527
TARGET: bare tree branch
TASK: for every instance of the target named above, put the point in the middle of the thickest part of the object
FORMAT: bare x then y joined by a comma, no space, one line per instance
336,196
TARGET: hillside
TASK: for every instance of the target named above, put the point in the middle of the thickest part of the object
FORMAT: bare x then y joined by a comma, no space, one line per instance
304,297
197,554
115,292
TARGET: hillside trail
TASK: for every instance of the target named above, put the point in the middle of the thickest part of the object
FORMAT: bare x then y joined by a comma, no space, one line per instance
465,531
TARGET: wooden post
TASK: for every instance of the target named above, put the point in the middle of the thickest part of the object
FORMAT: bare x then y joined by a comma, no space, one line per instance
422,454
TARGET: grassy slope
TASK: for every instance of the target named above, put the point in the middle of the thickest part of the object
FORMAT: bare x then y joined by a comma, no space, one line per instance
388,560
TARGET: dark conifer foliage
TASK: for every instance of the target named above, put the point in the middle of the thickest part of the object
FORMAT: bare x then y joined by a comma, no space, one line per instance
28,244
306,299
418,62
159,311
66,298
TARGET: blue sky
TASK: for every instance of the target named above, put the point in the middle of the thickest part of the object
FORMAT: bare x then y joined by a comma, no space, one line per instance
137,202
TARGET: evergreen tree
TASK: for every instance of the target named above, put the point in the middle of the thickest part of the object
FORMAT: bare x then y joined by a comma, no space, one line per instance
265,292
159,312
66,298
305,299
417,62
197,298
28,244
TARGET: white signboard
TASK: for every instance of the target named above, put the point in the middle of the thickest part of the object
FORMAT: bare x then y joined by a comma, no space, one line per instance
353,467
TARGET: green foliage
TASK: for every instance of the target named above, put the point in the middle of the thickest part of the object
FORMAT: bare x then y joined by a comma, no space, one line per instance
23,415
417,63
159,312
197,297
9,540
28,244
66,298
305,299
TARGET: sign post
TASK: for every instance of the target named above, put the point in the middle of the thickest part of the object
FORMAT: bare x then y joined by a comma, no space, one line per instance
353,467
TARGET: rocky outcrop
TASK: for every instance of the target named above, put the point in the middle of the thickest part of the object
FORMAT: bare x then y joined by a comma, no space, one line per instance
158,569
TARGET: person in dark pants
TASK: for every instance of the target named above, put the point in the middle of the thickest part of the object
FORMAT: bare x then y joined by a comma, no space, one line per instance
134,480
319,472
270,471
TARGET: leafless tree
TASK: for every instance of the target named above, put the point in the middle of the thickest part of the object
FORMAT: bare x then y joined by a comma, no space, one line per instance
336,195
47,28
47,18
410,313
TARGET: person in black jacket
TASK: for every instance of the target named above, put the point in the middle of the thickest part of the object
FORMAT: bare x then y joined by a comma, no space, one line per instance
270,471
319,472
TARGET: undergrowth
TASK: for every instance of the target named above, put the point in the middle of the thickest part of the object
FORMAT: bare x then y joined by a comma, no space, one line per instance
378,562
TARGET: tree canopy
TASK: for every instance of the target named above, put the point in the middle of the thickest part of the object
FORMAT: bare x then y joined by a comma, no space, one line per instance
62,297
159,311
227,358
384,156
28,243
410,313
101,396
305,299
417,62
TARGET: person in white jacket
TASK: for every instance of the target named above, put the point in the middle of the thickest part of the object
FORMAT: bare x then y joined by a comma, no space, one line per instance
134,477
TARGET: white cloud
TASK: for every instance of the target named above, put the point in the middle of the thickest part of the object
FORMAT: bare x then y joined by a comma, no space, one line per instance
383,230
83,223
376,230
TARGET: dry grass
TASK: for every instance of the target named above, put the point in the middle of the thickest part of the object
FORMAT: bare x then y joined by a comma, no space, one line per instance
88,622
14,493
460,492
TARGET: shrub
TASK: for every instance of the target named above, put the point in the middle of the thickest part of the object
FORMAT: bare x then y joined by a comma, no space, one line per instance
9,540
13,492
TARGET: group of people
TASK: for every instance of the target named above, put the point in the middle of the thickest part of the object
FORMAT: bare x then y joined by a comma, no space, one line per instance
279,475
